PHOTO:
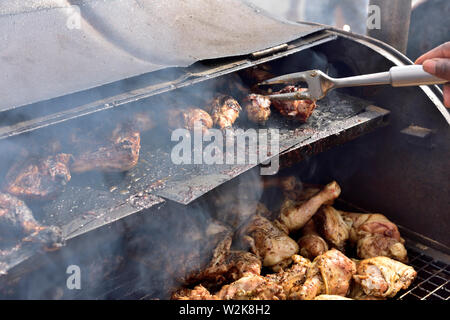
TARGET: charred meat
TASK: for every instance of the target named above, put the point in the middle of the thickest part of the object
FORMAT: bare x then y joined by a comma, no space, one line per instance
36,178
299,110
119,153
17,223
224,111
257,108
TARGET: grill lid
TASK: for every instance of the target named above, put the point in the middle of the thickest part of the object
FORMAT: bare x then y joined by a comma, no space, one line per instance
51,48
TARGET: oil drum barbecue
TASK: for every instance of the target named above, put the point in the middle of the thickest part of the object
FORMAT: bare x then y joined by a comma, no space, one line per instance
101,172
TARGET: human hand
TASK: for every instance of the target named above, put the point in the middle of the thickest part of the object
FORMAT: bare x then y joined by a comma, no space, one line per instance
437,62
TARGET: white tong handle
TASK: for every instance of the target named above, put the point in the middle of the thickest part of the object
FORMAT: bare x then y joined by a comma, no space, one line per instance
400,76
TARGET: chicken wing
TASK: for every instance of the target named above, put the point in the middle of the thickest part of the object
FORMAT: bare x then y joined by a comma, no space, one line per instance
311,244
299,110
294,215
36,178
330,273
383,277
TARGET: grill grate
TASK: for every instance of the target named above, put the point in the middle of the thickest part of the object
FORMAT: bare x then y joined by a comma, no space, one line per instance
433,278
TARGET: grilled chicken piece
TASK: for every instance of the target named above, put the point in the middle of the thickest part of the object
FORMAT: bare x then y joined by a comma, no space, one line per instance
18,223
299,110
374,235
383,277
257,108
198,293
334,227
120,153
270,243
330,273
190,119
293,277
224,111
311,244
252,287
331,297
36,178
294,215
226,266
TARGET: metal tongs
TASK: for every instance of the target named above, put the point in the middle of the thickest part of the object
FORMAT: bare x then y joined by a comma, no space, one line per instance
319,83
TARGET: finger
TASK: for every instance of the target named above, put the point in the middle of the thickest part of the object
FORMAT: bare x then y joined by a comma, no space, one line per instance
447,95
438,67
442,51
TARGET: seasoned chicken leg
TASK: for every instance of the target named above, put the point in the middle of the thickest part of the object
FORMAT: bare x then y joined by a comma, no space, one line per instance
295,215
333,226
270,243
330,273
383,277
311,244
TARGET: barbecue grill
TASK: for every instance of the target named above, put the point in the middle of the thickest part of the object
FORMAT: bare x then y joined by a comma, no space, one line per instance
388,149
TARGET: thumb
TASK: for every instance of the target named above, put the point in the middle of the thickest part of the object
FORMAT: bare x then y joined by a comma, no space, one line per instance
440,67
